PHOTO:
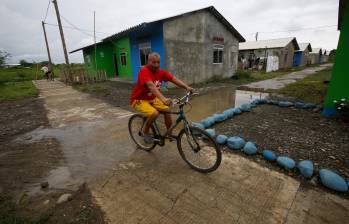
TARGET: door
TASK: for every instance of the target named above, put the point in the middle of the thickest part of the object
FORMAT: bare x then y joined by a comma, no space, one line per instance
116,71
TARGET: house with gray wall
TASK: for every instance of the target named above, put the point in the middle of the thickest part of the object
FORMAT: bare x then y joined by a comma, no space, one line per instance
283,48
302,56
194,46
316,56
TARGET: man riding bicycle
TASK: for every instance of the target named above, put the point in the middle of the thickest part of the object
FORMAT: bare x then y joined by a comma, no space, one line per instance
146,97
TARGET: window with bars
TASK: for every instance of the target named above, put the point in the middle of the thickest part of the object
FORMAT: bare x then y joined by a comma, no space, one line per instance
144,51
217,54
123,59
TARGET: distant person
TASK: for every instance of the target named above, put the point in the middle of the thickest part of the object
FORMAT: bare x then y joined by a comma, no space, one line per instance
146,97
47,72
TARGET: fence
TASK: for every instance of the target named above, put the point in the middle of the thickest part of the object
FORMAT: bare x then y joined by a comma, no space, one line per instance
81,75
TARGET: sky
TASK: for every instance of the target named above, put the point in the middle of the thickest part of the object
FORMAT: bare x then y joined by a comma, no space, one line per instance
21,32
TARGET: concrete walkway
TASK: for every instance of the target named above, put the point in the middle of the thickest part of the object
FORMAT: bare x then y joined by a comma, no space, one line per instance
280,82
134,186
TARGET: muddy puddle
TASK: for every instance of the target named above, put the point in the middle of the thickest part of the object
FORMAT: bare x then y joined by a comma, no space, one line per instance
93,148
90,148
220,100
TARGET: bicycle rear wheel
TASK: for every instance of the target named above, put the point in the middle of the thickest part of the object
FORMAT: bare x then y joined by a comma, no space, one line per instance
135,125
199,150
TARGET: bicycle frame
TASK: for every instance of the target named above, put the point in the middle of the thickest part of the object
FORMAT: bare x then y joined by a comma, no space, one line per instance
181,118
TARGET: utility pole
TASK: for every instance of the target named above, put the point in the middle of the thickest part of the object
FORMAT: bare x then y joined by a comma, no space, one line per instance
61,32
48,49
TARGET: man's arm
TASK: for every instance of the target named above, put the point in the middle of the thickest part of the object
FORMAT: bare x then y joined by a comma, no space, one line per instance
157,93
180,83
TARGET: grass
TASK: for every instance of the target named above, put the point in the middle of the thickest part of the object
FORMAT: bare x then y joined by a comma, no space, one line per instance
8,213
16,83
310,89
92,87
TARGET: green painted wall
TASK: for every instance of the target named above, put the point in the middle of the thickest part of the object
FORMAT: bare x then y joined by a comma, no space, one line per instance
338,87
104,58
123,46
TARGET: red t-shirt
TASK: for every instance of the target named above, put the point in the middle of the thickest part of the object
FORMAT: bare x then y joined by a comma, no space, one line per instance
141,91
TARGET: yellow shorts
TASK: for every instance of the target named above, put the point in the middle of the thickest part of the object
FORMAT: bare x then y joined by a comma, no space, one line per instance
147,108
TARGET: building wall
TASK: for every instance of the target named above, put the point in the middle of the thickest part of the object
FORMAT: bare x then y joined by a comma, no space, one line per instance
104,58
305,57
152,34
189,47
286,56
123,46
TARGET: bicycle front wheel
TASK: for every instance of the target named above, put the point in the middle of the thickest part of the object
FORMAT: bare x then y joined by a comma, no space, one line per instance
199,150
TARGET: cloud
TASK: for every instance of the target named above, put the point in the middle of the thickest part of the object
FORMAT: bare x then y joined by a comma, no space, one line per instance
22,35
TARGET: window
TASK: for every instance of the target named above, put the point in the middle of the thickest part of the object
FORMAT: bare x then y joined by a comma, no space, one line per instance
144,51
101,54
217,54
123,59
88,59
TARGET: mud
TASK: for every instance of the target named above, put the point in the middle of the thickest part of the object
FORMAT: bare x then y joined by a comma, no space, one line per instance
300,134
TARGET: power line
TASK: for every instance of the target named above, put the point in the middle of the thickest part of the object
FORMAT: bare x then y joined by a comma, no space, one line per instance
48,7
78,29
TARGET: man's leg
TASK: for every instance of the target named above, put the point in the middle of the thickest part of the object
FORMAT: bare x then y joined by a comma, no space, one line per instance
149,122
168,120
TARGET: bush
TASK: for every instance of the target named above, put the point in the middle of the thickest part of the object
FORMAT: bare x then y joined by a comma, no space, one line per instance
240,74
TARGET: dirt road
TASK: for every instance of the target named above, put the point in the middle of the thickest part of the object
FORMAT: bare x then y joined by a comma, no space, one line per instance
132,186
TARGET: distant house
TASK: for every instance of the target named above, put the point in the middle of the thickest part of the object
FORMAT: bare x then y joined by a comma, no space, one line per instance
282,48
194,46
301,57
316,56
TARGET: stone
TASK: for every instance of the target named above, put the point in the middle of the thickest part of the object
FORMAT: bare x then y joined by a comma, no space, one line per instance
235,143
299,105
221,139
64,198
250,148
198,125
245,107
332,157
333,181
286,162
269,155
237,111
46,202
207,122
306,168
211,132
219,117
229,113
44,184
309,106
314,181
285,104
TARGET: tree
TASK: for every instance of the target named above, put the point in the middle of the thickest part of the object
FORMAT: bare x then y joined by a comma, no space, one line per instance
3,57
24,63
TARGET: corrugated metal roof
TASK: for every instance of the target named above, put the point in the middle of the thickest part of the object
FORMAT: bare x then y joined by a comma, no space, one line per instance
304,46
91,45
272,43
141,26
211,9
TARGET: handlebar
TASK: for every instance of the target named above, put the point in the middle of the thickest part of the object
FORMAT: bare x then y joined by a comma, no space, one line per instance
185,99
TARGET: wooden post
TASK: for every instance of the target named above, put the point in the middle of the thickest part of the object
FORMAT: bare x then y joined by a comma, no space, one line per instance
37,71
61,32
47,47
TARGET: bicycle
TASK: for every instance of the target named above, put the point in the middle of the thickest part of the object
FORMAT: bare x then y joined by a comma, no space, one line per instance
196,147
